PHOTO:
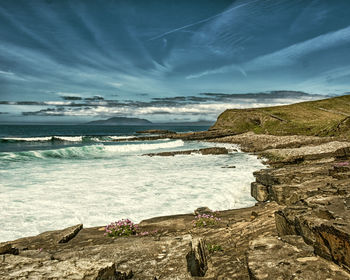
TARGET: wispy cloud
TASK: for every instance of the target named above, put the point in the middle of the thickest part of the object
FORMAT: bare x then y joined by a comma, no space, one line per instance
58,53
286,56
235,7
293,53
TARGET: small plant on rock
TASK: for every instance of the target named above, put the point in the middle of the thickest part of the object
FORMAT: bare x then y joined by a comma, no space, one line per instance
212,248
123,227
204,220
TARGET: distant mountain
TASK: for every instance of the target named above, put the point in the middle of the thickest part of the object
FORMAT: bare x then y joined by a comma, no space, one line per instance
122,121
137,121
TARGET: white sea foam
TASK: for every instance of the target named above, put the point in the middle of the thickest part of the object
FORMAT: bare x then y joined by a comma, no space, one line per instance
45,138
28,139
89,151
70,138
120,137
53,194
144,147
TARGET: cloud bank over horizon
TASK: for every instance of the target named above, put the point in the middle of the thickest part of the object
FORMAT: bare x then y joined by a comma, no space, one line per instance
80,60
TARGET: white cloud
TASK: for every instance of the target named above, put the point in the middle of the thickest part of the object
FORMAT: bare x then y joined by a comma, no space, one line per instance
6,73
116,85
204,109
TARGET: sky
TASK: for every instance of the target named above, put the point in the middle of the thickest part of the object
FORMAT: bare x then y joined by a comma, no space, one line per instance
176,60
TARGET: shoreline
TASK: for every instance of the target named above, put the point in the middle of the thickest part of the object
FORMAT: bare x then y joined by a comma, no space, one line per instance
280,218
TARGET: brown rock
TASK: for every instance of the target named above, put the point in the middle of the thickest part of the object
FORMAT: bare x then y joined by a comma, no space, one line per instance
17,267
259,192
6,248
214,151
324,224
202,210
289,258
204,151
69,233
331,149
251,142
197,258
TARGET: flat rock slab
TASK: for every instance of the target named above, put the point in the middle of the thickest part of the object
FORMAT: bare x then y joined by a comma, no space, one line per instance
69,233
165,255
251,142
18,267
331,149
324,222
204,151
273,258
48,239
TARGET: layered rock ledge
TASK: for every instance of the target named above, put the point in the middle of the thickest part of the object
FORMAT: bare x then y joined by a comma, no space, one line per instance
298,229
204,151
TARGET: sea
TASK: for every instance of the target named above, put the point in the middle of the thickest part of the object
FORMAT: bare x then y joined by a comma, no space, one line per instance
55,176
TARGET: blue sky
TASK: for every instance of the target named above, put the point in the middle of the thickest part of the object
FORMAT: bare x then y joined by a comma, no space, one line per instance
73,61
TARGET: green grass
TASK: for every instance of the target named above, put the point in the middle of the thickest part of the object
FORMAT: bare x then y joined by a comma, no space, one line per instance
327,117
212,248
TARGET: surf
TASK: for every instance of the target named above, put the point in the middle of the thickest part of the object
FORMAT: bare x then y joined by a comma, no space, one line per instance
88,151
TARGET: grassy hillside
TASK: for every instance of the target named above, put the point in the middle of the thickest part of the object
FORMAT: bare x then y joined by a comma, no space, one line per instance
327,117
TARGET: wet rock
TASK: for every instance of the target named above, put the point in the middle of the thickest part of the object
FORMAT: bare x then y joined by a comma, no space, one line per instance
214,151
17,267
324,224
289,185
311,195
289,258
203,210
69,233
332,149
197,259
259,192
204,151
229,166
6,248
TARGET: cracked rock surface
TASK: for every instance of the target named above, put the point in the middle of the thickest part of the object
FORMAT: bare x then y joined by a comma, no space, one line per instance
298,229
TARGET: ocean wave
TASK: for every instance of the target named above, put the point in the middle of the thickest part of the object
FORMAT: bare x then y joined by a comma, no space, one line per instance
64,139
87,152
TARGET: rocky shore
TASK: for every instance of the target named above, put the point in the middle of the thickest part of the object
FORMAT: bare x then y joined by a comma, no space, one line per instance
298,229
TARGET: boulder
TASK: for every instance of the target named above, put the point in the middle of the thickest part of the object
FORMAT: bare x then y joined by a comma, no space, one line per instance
259,192
197,258
6,248
214,151
334,149
289,258
18,267
69,233
324,223
202,210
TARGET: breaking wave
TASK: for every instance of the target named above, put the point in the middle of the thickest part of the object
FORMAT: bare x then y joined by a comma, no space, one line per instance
88,151
64,139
